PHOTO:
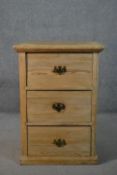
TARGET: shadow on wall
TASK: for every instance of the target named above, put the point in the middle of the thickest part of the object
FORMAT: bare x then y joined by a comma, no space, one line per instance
107,137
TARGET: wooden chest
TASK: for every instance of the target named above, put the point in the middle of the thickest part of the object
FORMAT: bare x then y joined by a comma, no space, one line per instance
58,91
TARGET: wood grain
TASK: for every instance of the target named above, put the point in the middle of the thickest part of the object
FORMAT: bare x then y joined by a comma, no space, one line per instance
32,160
77,107
40,141
40,87
41,76
94,102
22,78
46,47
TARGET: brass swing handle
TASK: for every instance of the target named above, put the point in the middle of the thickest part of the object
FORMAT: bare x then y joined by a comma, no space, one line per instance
59,142
58,107
60,69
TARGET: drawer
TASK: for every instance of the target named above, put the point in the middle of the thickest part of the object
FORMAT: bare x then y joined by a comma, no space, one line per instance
59,141
59,71
58,107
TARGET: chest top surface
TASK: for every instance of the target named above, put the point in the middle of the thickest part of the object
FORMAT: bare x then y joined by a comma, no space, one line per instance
86,47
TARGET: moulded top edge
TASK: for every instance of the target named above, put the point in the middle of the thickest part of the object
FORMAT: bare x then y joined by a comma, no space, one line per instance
59,47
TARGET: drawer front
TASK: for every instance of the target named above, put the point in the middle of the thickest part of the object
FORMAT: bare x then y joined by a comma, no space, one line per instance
58,107
59,141
59,71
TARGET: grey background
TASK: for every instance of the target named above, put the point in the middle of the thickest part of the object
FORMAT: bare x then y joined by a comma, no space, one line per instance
57,20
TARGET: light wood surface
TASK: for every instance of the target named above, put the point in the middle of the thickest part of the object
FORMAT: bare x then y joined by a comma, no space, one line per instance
40,71
40,141
77,107
94,101
59,47
22,78
32,160
76,88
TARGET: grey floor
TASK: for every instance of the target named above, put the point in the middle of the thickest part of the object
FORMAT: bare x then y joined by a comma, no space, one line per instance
106,148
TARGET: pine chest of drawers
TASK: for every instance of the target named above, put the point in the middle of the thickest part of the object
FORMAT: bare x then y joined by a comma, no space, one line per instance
58,89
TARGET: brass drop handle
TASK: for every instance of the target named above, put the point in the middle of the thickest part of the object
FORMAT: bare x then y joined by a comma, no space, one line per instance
59,142
60,69
58,107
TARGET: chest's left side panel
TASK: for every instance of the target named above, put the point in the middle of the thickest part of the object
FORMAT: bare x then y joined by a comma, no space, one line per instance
23,115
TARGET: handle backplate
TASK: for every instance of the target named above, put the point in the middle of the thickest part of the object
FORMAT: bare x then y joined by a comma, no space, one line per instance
58,107
59,142
60,69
